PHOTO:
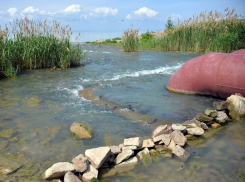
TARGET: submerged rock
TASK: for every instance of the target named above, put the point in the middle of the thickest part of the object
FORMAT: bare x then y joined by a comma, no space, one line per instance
219,106
144,157
6,133
58,170
71,177
81,130
237,107
97,156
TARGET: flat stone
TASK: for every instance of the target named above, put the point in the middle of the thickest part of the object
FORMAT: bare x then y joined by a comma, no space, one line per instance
81,163
98,155
221,117
180,153
178,126
130,147
136,141
195,131
71,177
178,138
164,138
211,113
203,117
115,150
215,125
148,143
237,107
219,106
130,162
58,170
90,174
161,129
189,123
204,126
124,155
81,130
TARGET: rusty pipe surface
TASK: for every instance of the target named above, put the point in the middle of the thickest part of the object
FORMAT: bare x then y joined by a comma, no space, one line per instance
216,74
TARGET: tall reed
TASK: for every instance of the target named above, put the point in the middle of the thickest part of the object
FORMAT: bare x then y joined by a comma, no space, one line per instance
130,40
32,45
210,31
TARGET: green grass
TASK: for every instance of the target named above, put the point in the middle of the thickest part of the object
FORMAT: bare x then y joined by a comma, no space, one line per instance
130,40
108,42
31,45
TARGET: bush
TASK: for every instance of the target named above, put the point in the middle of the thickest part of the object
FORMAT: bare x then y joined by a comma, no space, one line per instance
130,40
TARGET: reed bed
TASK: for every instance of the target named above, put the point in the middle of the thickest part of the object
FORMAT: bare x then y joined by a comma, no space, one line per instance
209,31
130,40
31,45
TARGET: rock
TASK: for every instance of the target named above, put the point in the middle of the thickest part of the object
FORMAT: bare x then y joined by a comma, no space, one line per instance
98,155
203,117
71,177
124,155
6,133
172,145
136,141
148,143
215,125
130,147
204,126
221,117
191,137
179,127
154,153
178,138
144,157
121,145
219,106
81,163
164,138
180,153
189,123
195,131
237,107
58,170
211,113
80,130
238,94
127,165
90,174
115,150
161,129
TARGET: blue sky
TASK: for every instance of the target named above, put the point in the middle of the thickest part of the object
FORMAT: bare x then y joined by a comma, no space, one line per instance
112,15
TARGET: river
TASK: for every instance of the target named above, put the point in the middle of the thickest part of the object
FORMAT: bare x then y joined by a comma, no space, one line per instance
39,106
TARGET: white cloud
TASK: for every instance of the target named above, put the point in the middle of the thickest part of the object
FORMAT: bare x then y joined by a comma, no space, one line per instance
104,11
74,8
174,16
12,11
146,11
129,17
30,9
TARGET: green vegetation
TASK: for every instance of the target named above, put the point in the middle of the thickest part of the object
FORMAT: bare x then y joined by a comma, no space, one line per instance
210,31
130,40
32,45
108,42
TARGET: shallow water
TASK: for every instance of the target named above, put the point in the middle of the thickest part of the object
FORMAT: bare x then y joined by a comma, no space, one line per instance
38,108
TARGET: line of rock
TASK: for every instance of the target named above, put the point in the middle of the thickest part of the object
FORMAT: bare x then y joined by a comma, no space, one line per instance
165,140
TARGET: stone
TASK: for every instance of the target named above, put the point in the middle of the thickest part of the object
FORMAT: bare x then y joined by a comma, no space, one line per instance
107,172
90,174
144,157
121,145
191,137
124,155
211,113
204,126
172,145
215,125
6,133
219,106
237,107
179,127
136,141
180,153
127,165
189,123
178,138
164,138
115,150
97,156
71,177
195,131
203,117
58,170
81,163
221,117
130,147
238,94
80,130
148,143
161,129
154,153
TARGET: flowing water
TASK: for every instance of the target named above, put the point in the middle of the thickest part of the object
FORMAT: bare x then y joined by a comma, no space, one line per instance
39,106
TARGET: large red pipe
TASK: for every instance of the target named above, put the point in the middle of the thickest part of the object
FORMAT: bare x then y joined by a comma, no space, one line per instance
216,74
